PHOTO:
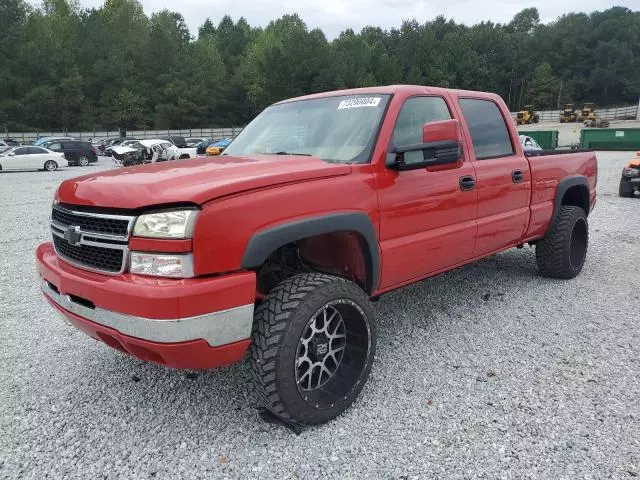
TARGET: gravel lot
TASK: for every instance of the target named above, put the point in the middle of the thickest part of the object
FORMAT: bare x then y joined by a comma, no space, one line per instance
489,371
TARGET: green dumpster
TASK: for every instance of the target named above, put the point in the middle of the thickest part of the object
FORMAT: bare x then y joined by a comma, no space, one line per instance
547,139
610,138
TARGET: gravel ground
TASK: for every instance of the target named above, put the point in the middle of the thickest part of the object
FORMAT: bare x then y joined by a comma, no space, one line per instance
489,371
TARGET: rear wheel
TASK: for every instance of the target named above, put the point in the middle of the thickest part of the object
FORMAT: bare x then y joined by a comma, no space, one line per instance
561,254
83,161
313,346
50,166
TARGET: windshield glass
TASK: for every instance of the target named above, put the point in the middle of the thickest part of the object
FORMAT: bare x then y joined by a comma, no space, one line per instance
336,129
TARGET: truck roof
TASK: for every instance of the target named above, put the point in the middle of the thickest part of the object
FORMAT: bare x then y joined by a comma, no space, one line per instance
392,89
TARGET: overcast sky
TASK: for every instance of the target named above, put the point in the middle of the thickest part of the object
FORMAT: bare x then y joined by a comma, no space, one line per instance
333,16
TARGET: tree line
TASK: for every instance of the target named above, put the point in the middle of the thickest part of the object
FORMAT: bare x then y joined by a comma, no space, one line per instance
65,67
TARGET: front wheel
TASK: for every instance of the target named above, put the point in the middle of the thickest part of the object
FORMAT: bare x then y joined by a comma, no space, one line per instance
50,166
562,252
314,341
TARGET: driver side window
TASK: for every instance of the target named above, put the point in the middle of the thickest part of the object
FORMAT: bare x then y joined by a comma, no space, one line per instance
415,112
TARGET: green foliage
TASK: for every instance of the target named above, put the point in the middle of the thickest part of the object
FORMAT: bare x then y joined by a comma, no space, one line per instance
62,67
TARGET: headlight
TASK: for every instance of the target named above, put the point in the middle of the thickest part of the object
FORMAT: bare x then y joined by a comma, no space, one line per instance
631,172
162,265
172,224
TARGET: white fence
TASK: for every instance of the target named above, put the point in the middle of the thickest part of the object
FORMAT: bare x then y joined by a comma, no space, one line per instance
96,136
620,113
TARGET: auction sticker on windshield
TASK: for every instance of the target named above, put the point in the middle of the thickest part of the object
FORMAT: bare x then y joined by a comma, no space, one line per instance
359,102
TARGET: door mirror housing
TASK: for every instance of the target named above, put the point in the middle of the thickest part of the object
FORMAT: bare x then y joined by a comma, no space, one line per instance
12,154
441,145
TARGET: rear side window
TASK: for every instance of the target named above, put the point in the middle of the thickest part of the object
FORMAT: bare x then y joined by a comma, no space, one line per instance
489,132
36,150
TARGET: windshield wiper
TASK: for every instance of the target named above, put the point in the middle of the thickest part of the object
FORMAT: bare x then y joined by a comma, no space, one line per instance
291,153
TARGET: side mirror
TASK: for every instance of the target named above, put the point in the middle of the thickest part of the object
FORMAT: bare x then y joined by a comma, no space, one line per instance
441,145
12,154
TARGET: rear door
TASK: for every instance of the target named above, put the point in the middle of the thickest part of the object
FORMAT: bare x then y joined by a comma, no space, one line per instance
38,157
502,176
71,151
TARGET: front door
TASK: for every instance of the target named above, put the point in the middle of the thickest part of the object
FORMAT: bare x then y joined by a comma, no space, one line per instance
427,220
18,160
503,177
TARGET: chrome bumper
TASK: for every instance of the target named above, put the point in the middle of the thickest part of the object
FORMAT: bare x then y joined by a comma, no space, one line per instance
217,328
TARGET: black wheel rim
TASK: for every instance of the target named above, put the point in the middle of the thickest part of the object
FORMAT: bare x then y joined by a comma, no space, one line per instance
578,245
332,353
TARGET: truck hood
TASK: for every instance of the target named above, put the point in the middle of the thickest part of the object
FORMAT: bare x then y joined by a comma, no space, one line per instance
198,180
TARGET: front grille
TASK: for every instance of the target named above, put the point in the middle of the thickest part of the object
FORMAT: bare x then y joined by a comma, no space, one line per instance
94,224
97,258
94,241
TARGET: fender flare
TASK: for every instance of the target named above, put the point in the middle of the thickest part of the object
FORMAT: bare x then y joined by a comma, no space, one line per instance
563,186
265,242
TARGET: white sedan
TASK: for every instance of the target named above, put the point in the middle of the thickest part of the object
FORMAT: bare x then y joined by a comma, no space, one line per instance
529,144
32,158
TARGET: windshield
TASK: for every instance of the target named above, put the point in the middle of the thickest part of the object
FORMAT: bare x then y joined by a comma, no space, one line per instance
336,129
7,152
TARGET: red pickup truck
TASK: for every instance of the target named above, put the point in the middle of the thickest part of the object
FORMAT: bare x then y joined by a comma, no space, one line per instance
319,206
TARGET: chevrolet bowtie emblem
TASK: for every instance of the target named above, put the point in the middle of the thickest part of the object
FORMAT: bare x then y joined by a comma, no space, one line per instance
72,235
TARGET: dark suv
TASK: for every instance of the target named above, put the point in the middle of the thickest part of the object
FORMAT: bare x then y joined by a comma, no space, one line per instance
75,151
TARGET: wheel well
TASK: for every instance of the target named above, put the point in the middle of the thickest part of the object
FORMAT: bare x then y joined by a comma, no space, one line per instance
577,196
344,254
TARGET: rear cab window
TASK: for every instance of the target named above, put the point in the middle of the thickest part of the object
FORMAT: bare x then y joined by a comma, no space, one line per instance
488,128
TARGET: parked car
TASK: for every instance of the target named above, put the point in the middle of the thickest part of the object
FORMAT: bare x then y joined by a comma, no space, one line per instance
280,251
175,153
194,141
31,158
201,148
122,142
178,141
218,147
75,151
12,142
43,140
106,143
143,151
630,180
4,146
529,144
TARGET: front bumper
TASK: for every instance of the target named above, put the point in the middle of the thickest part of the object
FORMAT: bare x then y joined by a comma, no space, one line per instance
196,323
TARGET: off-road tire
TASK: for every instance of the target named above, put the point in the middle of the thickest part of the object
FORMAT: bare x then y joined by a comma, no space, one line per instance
279,323
562,252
